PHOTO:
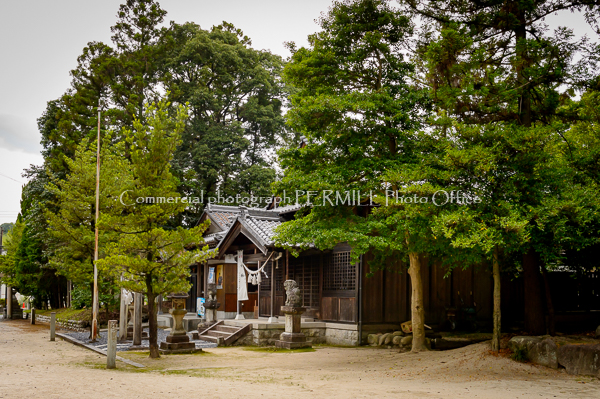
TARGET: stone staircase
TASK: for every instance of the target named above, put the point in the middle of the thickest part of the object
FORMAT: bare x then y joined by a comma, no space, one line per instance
221,334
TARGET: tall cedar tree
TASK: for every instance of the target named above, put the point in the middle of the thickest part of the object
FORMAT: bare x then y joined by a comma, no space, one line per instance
354,103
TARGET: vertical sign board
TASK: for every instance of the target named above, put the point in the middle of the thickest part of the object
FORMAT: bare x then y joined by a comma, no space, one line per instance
211,275
219,277
200,306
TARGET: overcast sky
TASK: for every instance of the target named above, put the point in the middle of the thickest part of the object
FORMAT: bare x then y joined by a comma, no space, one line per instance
40,41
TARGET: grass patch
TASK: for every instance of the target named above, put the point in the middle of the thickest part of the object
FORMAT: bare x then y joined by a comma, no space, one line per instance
272,349
68,314
520,355
342,346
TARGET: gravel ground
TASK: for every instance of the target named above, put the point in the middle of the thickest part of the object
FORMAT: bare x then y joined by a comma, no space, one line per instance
101,341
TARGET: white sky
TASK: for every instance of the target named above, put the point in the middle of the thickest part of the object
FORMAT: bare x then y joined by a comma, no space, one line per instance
40,41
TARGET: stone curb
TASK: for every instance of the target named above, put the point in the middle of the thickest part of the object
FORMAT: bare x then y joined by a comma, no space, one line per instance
93,348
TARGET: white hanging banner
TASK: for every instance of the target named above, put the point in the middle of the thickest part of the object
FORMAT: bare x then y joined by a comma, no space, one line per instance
242,285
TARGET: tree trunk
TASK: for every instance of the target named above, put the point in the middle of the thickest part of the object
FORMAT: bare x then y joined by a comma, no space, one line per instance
417,309
551,325
497,297
522,62
152,321
534,306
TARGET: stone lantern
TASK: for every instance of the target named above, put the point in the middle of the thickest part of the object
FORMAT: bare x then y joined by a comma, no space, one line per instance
178,341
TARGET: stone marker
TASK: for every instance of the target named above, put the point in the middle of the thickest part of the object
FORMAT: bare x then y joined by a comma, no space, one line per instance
124,298
9,302
32,315
52,326
293,337
137,319
111,350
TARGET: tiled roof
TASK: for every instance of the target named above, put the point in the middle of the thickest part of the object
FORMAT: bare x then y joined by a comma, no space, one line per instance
223,219
287,208
264,229
259,223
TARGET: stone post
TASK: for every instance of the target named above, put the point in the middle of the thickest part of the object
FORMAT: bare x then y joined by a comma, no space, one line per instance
32,315
137,319
111,350
52,326
293,337
122,317
9,302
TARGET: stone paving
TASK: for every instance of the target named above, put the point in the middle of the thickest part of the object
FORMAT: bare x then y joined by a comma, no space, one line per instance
101,341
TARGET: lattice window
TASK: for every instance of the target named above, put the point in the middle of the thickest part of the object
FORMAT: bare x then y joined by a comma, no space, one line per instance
338,273
265,284
305,270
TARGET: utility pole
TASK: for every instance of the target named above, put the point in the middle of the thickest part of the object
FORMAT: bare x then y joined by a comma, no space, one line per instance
95,298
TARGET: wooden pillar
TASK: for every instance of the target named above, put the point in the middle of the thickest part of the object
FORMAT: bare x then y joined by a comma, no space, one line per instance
272,319
287,262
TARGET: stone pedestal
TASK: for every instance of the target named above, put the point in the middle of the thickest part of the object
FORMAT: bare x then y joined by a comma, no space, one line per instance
178,341
210,314
292,338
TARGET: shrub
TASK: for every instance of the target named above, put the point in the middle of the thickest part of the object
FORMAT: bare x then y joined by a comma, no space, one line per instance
520,355
81,297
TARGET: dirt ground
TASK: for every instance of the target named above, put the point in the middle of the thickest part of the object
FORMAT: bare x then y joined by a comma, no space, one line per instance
33,367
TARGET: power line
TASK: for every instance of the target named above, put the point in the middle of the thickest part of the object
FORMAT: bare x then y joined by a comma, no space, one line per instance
8,177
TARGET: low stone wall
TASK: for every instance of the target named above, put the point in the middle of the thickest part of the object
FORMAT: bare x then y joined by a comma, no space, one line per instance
578,356
317,332
75,325
268,336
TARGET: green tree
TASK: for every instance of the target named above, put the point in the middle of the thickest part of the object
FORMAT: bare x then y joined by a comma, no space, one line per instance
71,227
235,97
10,243
495,63
33,276
354,101
151,259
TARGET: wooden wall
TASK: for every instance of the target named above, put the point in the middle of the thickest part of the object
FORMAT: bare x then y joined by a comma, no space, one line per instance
386,295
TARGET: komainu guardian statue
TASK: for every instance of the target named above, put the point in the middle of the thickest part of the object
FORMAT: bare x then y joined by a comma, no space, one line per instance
293,293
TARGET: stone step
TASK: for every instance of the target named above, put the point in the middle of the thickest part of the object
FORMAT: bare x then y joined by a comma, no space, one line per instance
209,338
227,329
215,333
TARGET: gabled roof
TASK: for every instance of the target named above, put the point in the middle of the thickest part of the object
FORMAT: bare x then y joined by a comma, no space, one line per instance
257,224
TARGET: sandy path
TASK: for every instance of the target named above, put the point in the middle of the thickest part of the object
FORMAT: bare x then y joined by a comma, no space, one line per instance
32,367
